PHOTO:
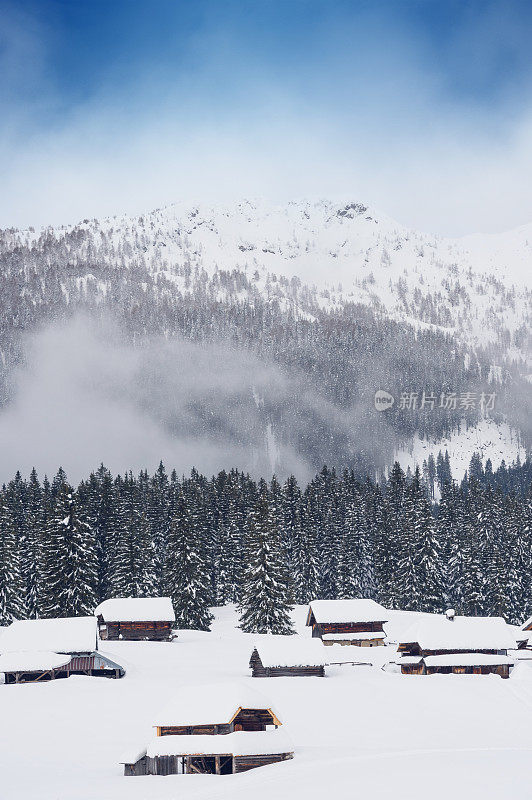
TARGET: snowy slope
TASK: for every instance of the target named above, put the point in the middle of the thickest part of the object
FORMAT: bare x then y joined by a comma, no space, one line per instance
497,442
474,288
358,732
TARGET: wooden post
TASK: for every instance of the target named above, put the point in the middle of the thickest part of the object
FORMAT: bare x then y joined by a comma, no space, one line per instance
217,764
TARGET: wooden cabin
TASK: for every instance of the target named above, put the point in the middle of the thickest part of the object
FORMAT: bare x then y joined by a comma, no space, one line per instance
210,755
448,644
215,709
282,657
45,649
348,622
136,619
33,667
214,729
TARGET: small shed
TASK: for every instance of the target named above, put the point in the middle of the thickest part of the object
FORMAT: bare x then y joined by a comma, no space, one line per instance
462,645
45,649
356,621
212,709
136,619
282,657
211,755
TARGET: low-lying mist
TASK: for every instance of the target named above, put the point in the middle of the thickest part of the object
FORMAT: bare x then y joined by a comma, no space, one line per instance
84,397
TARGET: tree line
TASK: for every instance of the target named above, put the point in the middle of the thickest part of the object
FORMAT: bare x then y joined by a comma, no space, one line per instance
268,545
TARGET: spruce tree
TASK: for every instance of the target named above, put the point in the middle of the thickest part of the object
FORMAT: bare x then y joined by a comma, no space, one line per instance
186,573
71,559
11,581
265,603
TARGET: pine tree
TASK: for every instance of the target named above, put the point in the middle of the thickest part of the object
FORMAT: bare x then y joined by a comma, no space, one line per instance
265,605
35,531
186,573
427,552
71,559
11,582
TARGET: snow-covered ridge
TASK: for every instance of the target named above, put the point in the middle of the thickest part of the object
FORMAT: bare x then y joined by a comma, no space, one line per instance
474,288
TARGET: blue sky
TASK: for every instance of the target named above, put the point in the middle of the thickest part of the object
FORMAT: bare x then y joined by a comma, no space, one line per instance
421,108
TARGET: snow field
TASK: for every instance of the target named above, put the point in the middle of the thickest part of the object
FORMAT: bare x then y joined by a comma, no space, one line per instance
360,732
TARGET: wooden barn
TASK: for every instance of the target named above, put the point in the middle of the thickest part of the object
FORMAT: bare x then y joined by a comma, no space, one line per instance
348,622
212,709
282,656
210,755
214,729
45,649
447,644
136,619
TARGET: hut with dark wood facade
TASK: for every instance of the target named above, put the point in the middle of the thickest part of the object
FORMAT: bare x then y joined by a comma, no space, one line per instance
218,708
282,657
214,729
136,619
210,755
348,622
448,644
45,649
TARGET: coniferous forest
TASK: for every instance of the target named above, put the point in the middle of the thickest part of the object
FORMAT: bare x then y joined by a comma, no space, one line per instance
266,546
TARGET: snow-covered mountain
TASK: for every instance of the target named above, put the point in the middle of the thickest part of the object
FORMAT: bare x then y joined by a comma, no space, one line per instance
476,288
344,299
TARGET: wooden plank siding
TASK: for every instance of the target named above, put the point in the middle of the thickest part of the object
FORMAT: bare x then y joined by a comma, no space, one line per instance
221,764
503,670
259,671
243,763
135,631
187,730
318,629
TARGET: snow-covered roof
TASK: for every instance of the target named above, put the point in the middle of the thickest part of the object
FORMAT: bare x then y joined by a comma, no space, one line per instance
136,609
467,660
461,633
358,636
401,621
520,634
66,635
409,660
527,625
240,743
210,704
284,651
32,662
352,610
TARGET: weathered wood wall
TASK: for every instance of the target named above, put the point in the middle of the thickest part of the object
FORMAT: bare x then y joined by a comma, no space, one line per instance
243,763
259,671
135,631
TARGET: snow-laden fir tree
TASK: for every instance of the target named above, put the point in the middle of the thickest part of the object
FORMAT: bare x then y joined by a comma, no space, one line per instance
33,551
133,569
265,603
186,573
451,534
70,572
406,587
427,551
103,509
11,581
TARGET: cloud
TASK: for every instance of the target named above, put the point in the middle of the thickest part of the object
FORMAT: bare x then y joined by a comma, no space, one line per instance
84,397
370,113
